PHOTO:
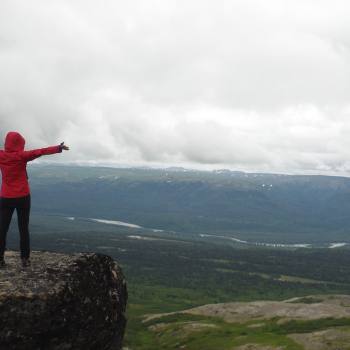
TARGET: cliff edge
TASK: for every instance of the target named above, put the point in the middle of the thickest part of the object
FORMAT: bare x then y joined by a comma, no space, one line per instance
62,302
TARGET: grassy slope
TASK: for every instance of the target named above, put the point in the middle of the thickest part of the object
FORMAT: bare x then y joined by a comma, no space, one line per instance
175,332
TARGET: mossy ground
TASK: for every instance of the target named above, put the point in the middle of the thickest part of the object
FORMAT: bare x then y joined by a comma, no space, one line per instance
175,331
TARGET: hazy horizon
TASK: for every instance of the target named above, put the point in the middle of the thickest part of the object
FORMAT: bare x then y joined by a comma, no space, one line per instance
194,167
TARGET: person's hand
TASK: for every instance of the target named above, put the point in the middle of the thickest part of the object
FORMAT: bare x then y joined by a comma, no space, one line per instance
63,146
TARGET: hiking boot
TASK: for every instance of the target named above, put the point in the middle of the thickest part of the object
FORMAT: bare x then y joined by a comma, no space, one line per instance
25,262
2,262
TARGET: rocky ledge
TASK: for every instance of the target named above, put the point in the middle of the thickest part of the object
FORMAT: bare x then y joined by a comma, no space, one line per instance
62,302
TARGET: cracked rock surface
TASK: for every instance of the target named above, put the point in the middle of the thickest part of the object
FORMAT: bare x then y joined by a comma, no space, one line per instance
62,302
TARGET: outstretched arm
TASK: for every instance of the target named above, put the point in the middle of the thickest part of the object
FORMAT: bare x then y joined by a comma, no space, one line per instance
33,154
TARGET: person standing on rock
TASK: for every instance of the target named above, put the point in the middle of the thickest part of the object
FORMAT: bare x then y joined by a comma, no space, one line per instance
15,192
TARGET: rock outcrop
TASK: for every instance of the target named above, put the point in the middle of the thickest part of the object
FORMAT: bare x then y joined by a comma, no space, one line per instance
303,308
62,302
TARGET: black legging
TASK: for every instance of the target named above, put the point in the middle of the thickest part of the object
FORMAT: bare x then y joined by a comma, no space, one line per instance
7,207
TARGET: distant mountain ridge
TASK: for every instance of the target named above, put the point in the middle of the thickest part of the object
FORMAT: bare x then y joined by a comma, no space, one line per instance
288,207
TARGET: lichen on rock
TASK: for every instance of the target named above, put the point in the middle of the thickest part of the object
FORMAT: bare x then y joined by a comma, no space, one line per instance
62,302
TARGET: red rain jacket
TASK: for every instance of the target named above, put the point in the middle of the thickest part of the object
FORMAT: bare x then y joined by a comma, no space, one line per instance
13,164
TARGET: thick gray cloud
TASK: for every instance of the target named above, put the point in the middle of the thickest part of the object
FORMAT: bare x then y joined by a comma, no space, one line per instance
252,85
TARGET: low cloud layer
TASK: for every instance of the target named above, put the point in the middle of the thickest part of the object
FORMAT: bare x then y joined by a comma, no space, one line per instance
250,85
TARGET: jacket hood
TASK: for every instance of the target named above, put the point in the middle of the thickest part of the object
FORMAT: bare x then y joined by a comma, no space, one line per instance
14,142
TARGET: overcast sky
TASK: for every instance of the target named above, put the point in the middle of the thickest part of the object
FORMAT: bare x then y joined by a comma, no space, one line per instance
248,85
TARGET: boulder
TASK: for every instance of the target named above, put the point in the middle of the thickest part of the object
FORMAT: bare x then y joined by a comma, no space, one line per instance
62,302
